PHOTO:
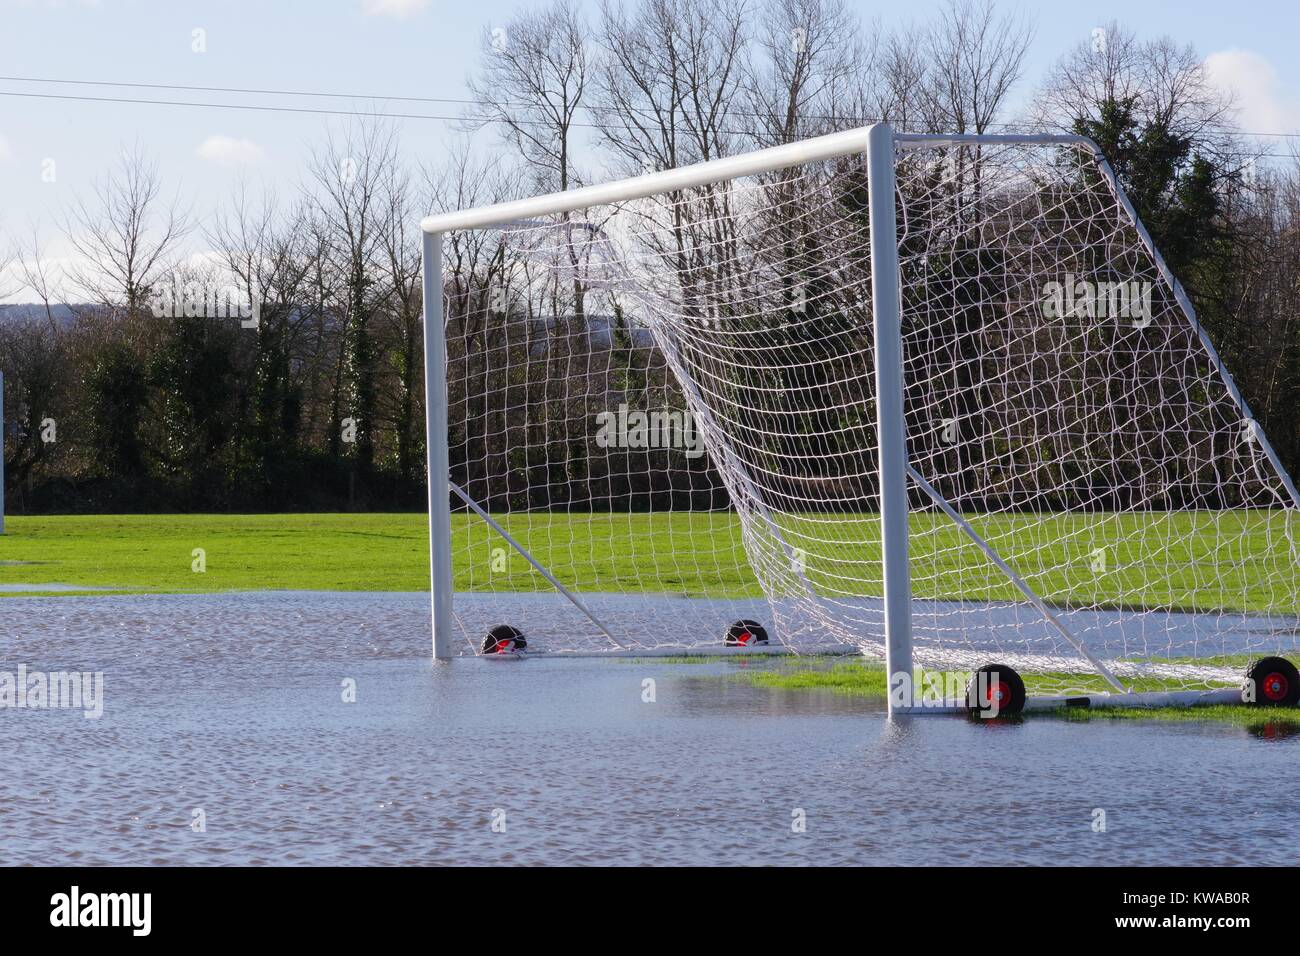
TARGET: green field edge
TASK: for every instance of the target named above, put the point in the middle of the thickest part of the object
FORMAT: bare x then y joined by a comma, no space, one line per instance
868,683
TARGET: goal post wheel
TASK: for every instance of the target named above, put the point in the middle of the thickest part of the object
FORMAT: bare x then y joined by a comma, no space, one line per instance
1277,682
746,633
994,690
504,639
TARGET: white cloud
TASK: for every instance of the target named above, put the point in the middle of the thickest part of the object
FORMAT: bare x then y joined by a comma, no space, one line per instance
1264,103
5,151
401,9
59,261
204,259
229,151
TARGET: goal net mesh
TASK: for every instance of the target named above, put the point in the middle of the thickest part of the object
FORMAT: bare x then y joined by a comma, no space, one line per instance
670,403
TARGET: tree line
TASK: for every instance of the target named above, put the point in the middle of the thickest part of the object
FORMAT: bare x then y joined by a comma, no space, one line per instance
115,404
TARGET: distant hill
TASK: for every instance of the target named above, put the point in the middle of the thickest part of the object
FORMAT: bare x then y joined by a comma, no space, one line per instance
23,311
598,324
601,327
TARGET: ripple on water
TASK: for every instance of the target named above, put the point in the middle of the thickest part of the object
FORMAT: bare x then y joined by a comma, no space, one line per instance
231,705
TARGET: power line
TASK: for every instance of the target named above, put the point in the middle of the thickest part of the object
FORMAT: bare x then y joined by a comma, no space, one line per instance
1013,127
263,108
225,106
233,89
332,95
453,100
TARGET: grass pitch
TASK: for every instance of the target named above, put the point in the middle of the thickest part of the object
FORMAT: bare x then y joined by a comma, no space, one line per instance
156,553
1193,560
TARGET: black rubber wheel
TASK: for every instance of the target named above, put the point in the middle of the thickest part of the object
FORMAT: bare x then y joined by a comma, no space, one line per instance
1277,682
504,639
746,634
1002,685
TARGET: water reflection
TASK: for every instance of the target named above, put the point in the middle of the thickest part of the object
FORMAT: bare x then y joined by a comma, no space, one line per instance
1281,729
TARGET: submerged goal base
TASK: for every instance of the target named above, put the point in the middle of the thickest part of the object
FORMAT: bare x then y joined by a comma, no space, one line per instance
702,651
1169,698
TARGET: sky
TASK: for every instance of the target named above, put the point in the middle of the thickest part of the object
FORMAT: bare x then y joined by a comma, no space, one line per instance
51,149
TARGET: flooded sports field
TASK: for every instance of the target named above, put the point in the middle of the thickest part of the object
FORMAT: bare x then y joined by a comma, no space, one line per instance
296,727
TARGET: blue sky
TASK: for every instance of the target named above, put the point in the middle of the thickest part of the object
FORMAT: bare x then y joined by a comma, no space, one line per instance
412,48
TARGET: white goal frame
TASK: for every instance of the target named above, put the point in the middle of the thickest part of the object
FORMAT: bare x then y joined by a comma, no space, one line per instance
879,143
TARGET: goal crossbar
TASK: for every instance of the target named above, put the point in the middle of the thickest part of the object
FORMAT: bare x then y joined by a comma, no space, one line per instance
830,146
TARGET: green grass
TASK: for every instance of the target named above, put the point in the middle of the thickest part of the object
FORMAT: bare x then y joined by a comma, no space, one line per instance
1269,719
1234,560
865,680
369,552
1198,560
851,679
153,553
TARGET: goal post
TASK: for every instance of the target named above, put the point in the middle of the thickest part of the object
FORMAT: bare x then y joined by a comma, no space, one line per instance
435,391
933,400
434,227
891,427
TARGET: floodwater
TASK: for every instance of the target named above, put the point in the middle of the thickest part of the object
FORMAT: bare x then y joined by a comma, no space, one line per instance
226,738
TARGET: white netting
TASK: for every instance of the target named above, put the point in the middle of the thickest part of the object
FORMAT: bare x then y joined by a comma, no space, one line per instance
1057,397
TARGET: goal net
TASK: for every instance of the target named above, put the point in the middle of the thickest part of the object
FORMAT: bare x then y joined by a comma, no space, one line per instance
666,405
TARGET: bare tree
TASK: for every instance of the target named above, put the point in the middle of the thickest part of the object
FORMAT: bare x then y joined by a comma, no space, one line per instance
811,77
10,268
400,260
124,236
474,257
671,78
264,247
43,278
974,58
348,174
671,81
898,94
1162,83
531,83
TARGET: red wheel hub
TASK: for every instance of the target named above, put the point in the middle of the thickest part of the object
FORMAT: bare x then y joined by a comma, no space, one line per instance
745,638
1276,686
996,694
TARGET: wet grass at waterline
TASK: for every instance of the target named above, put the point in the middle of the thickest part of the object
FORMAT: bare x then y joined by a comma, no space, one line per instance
867,680
1271,719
